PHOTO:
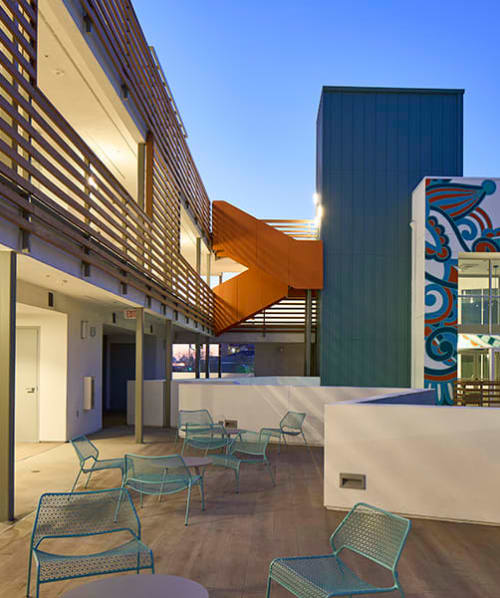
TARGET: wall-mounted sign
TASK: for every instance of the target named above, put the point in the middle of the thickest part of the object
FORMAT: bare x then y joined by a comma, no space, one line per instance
130,314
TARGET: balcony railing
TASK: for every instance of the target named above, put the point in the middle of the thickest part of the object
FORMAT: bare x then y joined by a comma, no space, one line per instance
481,393
53,186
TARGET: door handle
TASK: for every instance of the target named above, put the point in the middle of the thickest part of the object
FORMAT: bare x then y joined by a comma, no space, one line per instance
31,389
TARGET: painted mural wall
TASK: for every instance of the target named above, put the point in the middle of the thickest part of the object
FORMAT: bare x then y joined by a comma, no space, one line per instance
451,216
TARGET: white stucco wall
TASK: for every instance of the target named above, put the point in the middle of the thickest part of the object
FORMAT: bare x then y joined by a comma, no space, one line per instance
430,461
256,405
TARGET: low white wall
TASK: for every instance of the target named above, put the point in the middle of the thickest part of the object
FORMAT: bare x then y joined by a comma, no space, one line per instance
256,405
429,461
153,402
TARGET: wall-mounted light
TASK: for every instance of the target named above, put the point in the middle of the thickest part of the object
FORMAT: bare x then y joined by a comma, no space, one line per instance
315,199
84,329
125,91
319,215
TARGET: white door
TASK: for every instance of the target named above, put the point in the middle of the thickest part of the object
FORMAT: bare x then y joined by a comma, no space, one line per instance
27,385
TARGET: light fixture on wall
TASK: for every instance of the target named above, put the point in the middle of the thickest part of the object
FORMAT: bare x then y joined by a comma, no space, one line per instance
84,329
125,91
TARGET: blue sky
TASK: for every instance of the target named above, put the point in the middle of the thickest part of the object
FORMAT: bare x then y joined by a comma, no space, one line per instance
247,78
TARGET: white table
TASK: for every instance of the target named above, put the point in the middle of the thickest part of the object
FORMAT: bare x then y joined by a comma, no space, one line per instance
139,586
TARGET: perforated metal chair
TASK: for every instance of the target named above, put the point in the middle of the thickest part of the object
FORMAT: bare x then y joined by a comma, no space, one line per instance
251,444
161,475
290,425
81,514
195,417
370,532
88,455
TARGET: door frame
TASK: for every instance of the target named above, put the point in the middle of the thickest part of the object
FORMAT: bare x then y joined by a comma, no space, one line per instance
38,330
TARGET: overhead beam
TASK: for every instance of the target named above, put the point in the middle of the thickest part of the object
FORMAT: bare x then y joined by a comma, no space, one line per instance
7,381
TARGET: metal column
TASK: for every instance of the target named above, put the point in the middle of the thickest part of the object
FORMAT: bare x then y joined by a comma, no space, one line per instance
219,362
197,357
7,381
139,375
207,360
308,333
169,338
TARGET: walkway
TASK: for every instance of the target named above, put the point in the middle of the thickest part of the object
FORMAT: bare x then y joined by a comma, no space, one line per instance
228,548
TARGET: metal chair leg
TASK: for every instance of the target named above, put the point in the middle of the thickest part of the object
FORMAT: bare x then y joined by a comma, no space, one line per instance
270,470
268,593
76,480
202,490
29,573
88,479
187,505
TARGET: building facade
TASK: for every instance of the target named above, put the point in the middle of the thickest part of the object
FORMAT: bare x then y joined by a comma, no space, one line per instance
456,283
374,145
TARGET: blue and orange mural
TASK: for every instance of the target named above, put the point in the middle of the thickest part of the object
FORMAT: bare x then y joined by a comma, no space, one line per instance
455,222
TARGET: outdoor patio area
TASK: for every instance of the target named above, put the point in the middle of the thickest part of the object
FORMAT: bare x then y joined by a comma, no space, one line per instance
228,547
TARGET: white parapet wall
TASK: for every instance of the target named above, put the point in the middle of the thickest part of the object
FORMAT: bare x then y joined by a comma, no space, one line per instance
429,461
261,403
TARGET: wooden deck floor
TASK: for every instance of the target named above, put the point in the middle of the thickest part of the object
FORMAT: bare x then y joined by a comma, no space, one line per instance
228,547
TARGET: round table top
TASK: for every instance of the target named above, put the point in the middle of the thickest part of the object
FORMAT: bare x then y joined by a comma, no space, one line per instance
197,461
138,586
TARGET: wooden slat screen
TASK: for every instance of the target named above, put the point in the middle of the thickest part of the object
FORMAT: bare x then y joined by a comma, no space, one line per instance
481,393
53,185
298,229
287,315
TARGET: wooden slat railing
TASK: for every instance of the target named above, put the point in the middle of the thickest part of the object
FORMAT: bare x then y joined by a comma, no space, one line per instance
298,229
481,393
288,315
54,186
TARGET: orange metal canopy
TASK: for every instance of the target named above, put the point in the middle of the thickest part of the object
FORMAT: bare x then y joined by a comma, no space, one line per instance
276,262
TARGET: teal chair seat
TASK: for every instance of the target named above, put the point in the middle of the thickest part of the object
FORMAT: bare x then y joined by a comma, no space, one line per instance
319,577
125,557
371,533
205,437
161,475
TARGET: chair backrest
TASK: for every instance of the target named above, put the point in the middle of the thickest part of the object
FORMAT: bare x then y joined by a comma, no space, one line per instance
373,533
66,514
293,420
84,448
251,443
196,417
155,469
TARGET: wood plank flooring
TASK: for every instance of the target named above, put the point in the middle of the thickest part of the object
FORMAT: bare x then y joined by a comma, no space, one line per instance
228,548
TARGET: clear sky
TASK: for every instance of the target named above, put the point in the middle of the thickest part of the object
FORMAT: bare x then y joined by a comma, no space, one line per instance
247,78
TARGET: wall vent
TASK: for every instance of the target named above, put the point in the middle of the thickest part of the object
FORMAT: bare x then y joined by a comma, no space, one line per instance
353,481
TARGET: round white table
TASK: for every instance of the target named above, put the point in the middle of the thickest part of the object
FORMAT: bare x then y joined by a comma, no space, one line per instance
138,586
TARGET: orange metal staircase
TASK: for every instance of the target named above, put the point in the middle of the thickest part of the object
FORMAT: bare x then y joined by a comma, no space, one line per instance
276,264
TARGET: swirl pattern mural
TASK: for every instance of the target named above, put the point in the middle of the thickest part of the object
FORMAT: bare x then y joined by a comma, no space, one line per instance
455,222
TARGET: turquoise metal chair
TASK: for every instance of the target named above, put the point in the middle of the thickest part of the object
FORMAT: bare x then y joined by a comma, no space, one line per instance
368,531
198,417
82,514
161,475
88,455
247,447
290,425
205,437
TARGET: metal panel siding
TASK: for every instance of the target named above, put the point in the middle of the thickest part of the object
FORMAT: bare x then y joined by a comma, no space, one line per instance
373,148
